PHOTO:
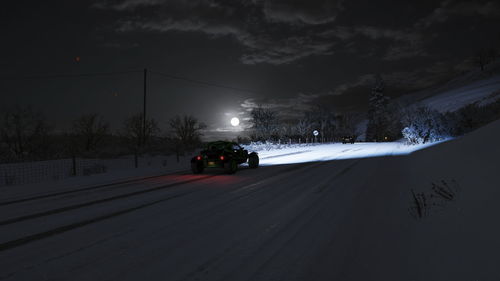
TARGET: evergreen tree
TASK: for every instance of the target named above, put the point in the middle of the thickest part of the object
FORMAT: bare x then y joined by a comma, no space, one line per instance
379,121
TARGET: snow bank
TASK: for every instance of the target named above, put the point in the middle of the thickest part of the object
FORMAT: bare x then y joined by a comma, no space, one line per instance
429,216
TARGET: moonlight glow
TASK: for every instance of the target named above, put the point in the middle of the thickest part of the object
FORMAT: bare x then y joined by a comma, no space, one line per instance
235,121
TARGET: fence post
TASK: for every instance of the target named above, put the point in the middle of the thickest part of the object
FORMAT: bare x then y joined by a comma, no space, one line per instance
74,165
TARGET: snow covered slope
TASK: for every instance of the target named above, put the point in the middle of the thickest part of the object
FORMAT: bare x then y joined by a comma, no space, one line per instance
474,86
483,91
429,216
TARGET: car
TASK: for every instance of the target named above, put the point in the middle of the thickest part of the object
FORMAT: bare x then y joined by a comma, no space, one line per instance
348,139
225,155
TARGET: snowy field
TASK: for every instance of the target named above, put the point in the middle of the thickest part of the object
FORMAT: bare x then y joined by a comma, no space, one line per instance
291,154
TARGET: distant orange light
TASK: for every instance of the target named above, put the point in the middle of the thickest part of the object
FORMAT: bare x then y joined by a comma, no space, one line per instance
77,59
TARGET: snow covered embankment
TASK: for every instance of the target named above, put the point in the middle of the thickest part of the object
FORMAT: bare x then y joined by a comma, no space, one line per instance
429,216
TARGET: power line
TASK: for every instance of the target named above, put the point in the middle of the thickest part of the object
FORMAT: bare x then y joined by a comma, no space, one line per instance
205,83
56,76
96,74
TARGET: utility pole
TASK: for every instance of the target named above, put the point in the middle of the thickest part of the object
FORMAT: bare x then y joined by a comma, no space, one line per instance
144,110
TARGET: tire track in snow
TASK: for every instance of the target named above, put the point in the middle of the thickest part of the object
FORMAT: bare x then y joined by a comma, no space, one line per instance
213,262
31,238
44,196
55,231
94,202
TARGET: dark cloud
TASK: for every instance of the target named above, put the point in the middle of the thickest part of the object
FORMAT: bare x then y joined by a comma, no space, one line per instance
450,8
404,51
119,45
267,50
404,43
302,12
123,5
243,21
273,32
279,32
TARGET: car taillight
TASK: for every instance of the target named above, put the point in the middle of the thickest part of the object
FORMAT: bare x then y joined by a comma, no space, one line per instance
222,157
198,158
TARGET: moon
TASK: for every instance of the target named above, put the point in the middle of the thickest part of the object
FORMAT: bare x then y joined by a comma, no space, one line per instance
235,121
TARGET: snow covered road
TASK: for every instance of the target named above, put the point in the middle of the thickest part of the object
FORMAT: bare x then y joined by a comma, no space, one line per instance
349,219
215,202
331,151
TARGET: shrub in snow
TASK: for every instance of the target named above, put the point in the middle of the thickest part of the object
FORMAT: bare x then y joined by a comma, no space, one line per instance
425,202
268,145
423,125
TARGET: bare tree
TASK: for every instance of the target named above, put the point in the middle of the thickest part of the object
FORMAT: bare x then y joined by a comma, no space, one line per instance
187,129
137,137
24,132
302,128
265,123
90,129
133,130
186,133
323,120
285,130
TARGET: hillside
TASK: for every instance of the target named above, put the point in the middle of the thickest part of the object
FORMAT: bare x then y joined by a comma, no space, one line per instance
473,86
427,216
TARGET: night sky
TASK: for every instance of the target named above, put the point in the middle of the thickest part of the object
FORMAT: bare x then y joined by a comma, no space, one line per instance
289,55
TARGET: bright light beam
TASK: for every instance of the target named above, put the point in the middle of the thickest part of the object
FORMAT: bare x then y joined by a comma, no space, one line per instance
301,153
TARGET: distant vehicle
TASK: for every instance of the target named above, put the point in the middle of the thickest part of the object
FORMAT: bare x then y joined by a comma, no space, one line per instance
225,155
348,139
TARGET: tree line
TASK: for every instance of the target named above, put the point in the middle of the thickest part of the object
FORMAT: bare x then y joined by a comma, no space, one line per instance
26,135
267,125
387,120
